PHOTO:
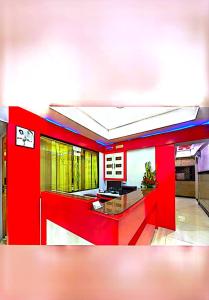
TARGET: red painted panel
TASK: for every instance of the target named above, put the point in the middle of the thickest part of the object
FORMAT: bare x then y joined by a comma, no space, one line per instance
76,216
23,191
129,225
23,174
165,176
145,232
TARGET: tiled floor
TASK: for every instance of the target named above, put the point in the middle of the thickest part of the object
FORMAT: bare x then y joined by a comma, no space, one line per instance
192,226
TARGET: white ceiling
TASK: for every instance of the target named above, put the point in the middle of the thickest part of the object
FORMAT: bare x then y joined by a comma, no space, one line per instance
112,53
113,117
112,122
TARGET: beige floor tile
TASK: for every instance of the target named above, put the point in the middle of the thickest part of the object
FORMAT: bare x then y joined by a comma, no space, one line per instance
196,236
192,226
176,242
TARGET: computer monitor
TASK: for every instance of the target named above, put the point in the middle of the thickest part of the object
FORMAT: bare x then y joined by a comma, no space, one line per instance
128,188
113,185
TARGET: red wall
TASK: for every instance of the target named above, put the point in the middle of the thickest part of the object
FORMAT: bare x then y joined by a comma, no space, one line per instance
23,174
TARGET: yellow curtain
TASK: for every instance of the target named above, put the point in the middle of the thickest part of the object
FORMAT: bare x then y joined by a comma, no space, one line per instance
76,171
87,169
94,171
70,167
64,169
53,166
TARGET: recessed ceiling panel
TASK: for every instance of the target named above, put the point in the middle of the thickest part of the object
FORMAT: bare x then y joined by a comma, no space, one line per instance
112,122
113,117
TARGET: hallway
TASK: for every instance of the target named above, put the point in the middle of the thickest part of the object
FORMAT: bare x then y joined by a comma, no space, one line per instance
192,226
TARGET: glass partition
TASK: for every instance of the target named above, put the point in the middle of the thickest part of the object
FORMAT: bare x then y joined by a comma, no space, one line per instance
67,168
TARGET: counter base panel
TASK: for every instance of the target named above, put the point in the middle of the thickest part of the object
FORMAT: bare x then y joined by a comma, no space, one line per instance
77,217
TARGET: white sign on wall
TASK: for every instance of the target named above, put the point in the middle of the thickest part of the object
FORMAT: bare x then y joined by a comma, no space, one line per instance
96,205
77,149
24,137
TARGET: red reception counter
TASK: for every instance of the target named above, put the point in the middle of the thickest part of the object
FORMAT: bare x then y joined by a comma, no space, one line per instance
127,220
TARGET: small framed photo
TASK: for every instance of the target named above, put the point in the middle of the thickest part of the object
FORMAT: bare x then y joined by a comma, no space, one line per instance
25,137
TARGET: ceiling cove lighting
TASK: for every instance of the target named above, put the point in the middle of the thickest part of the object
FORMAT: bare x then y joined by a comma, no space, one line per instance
61,125
103,143
177,128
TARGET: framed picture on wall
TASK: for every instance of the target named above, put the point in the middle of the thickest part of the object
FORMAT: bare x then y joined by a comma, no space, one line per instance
24,137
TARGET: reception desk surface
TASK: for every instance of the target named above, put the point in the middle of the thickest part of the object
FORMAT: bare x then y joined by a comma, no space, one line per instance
121,204
113,206
73,196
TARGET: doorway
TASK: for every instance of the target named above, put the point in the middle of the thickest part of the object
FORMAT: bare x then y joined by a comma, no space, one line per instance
192,192
192,197
3,184
192,160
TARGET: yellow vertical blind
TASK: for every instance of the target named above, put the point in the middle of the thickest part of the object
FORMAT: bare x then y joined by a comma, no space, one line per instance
87,170
66,168
94,182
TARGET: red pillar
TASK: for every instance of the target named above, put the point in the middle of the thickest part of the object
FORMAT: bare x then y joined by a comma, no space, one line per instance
23,184
165,175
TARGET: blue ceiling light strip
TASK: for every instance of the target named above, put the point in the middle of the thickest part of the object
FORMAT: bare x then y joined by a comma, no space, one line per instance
103,143
63,126
166,131
73,130
109,147
175,128
180,128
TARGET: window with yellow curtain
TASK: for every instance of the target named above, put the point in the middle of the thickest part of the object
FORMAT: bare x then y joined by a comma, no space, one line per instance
67,168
